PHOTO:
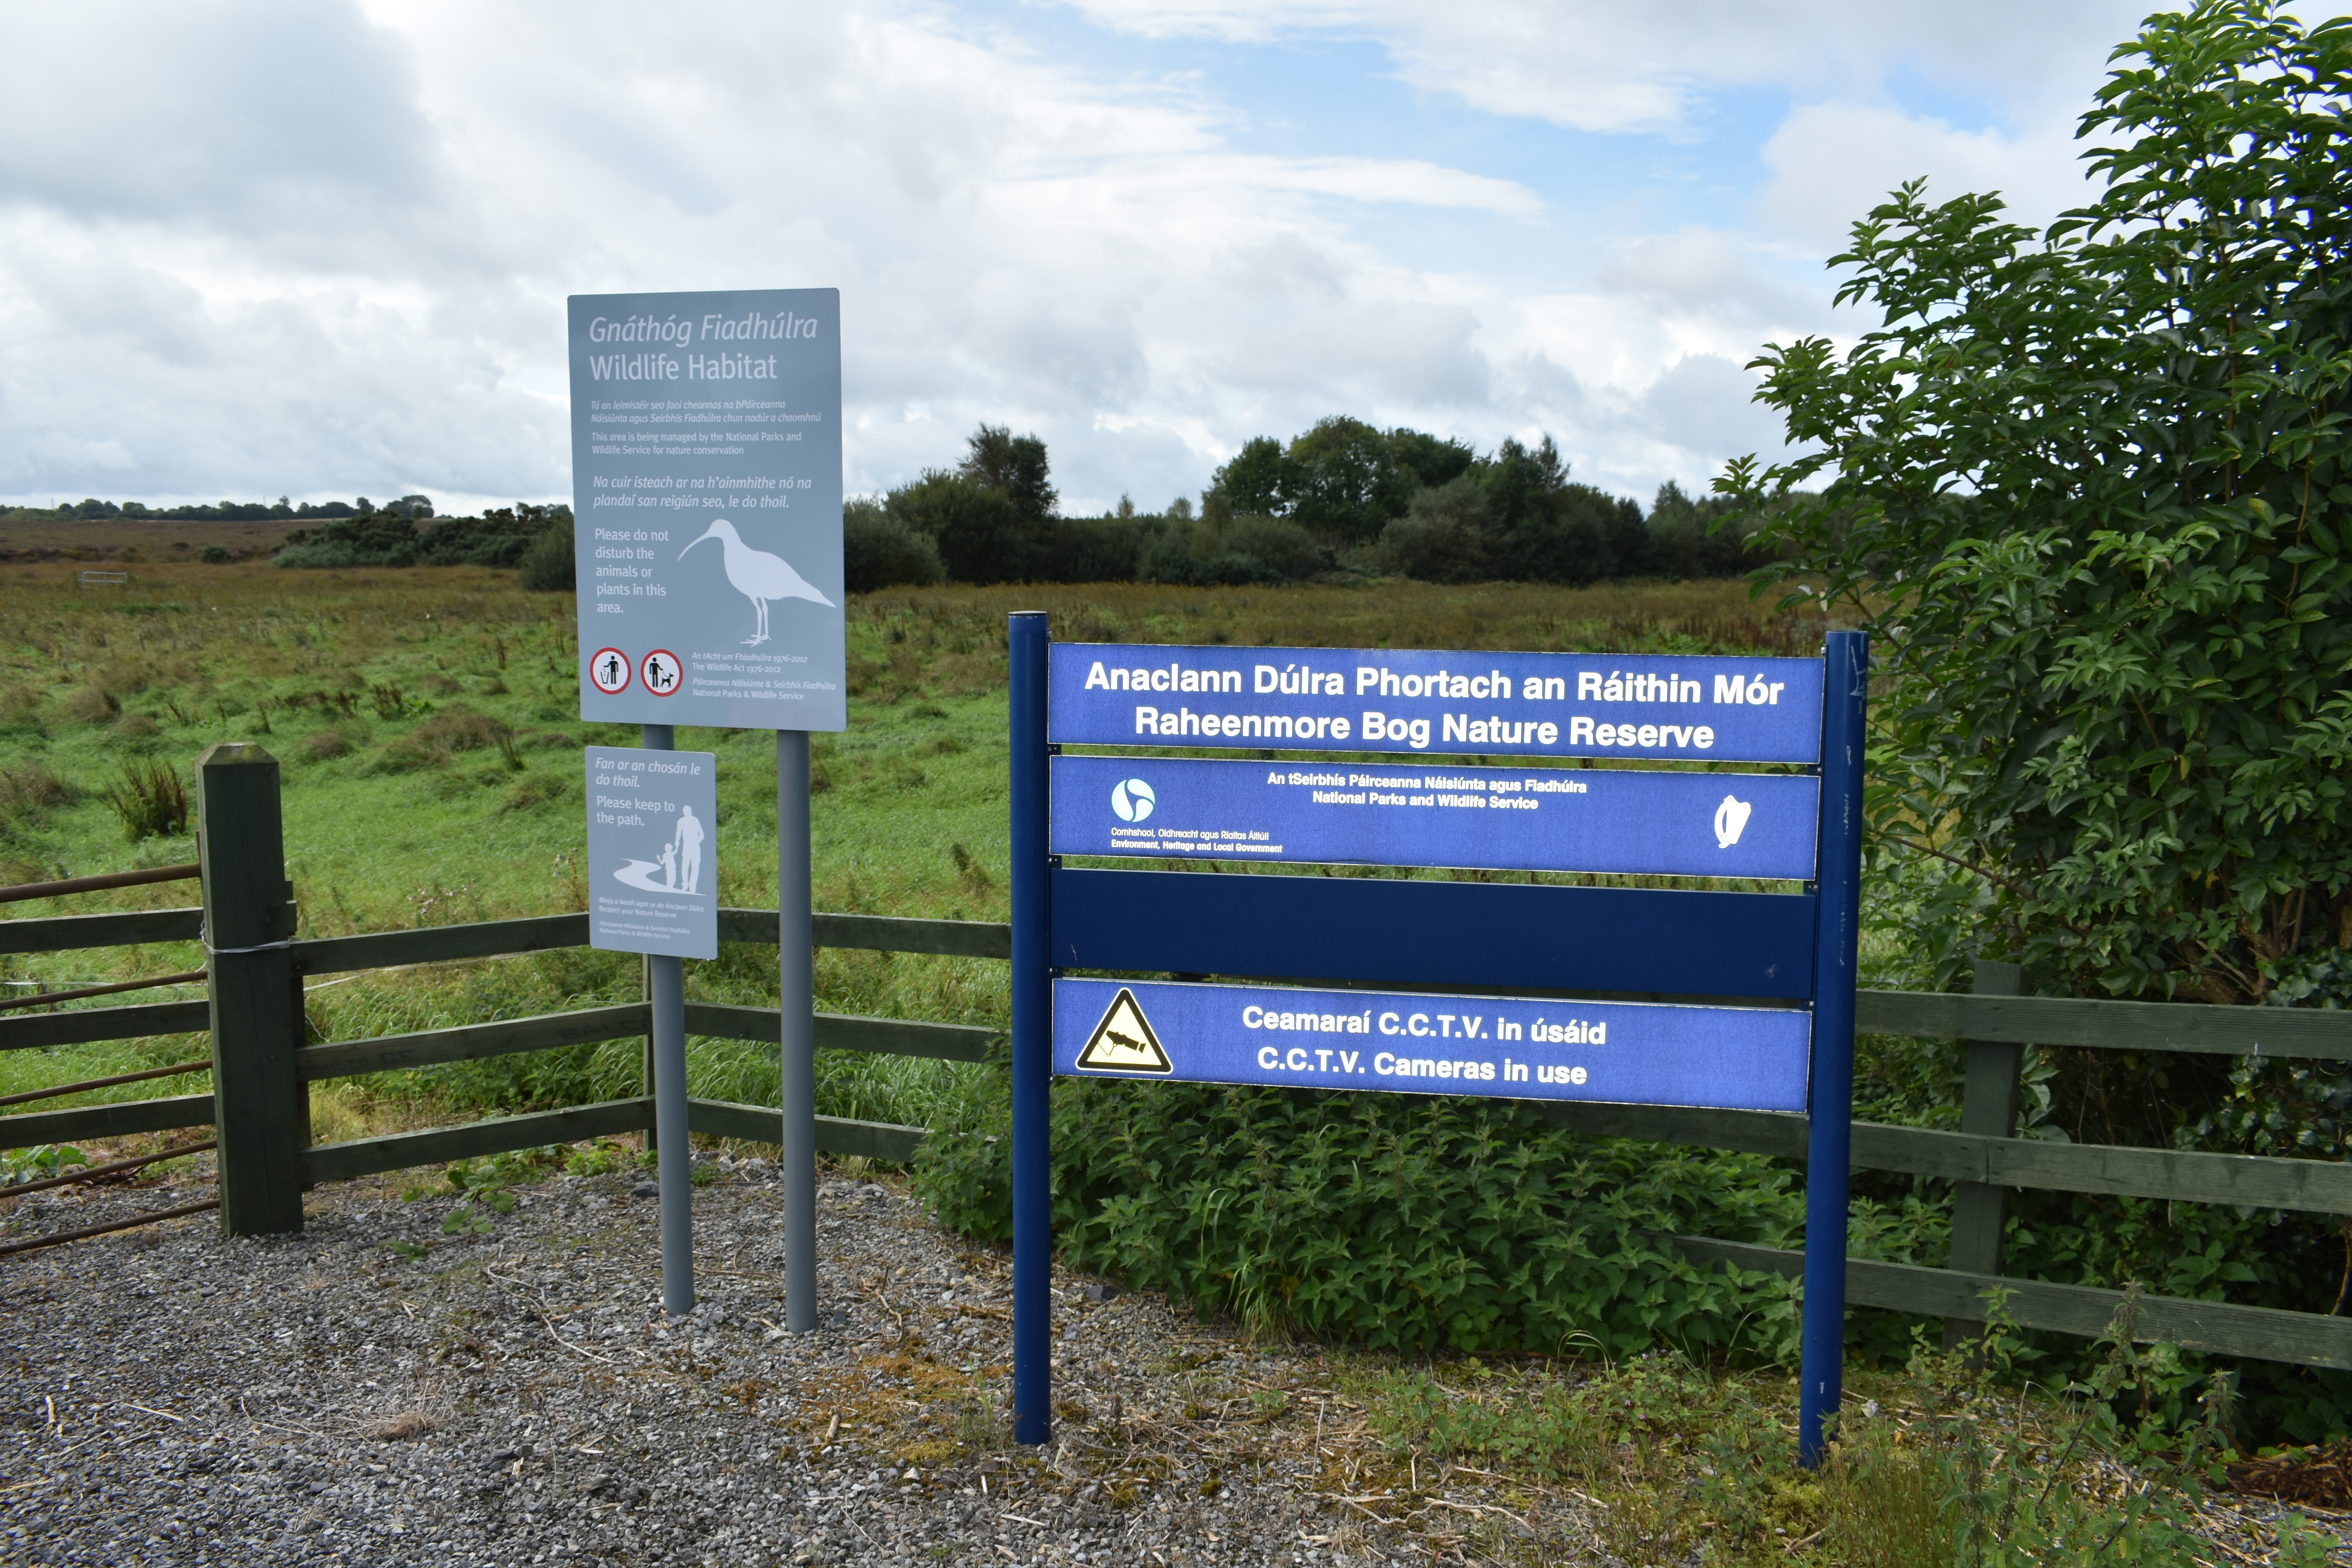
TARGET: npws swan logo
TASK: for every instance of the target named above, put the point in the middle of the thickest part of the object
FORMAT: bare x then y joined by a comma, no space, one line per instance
1730,821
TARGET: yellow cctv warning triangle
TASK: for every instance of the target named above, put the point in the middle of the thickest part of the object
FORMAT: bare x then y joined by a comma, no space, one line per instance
1123,1041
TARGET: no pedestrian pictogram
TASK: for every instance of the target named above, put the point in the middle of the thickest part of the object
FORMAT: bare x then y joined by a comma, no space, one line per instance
1124,1042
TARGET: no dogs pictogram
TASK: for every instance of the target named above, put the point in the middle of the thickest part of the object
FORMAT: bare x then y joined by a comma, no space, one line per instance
1124,1042
659,672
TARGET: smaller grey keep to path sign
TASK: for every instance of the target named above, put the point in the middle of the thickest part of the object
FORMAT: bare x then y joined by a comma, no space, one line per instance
653,851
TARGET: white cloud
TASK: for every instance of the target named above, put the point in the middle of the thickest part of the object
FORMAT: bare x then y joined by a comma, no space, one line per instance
321,248
1832,163
273,113
1603,64
364,288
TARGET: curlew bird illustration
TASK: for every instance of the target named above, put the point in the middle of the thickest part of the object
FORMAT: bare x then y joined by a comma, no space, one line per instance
757,575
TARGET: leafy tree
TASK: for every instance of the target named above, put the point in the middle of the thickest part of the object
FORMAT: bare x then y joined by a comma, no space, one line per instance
982,536
549,566
1016,465
2090,492
1690,538
1443,536
880,550
1432,460
1544,529
1342,478
1255,483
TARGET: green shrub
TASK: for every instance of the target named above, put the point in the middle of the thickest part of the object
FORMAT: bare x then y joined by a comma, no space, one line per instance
981,535
2092,495
547,567
1249,549
151,799
1408,1223
1101,549
379,538
2089,488
880,550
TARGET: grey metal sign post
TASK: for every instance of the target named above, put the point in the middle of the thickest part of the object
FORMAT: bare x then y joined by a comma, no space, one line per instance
707,488
653,888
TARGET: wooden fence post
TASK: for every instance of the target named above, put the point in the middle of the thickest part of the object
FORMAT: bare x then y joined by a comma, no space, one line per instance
259,1101
1988,1110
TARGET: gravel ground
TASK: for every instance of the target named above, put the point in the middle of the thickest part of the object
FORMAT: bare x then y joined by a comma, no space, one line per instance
517,1397
378,1391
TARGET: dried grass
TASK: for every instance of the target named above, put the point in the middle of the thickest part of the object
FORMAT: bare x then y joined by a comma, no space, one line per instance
90,705
403,1426
431,743
28,791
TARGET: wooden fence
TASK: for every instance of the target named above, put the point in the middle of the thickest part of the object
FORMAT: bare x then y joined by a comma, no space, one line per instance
263,1064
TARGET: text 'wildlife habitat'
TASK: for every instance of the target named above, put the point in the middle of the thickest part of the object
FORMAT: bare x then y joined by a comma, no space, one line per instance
706,440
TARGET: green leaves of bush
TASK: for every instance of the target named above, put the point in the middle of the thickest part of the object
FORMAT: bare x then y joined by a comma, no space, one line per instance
1405,1223
2091,495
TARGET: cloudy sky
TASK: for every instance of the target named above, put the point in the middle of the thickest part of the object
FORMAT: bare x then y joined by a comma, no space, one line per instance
250,248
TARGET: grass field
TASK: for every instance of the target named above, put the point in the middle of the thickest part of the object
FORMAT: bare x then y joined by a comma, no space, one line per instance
428,727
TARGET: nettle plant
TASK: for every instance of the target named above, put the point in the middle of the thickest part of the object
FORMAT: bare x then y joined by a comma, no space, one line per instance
2088,488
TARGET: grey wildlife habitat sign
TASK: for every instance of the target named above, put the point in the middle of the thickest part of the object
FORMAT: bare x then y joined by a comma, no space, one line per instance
653,871
706,484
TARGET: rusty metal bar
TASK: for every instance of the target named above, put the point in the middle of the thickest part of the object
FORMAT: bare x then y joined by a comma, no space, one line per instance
43,998
33,1243
188,873
64,1088
115,1168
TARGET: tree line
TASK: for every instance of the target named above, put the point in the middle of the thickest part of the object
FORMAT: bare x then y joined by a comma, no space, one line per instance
522,535
1343,498
93,509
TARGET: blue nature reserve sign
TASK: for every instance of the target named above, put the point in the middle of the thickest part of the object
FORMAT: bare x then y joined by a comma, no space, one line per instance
1512,819
1388,758
1382,700
1742,1058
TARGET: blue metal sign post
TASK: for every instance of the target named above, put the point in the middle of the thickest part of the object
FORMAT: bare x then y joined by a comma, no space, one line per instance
1836,950
1032,1044
1780,1038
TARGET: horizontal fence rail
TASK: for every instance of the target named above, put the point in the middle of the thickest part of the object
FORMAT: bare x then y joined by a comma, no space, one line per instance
541,934
505,1134
2256,1180
68,933
24,890
2263,1333
85,1025
2107,1025
83,992
120,1119
2308,1186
